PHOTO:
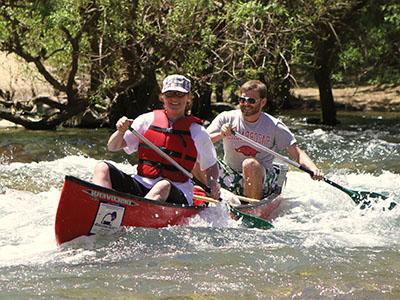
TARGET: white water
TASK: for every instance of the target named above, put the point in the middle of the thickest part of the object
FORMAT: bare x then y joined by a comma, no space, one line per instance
330,217
322,246
318,212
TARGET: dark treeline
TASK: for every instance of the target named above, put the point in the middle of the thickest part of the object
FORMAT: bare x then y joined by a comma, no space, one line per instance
107,56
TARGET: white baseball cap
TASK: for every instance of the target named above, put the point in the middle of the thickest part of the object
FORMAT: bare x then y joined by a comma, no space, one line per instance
176,82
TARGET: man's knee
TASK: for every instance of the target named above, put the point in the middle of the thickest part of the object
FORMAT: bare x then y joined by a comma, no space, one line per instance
163,185
251,164
101,168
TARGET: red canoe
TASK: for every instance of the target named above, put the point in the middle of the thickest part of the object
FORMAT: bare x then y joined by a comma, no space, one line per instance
85,209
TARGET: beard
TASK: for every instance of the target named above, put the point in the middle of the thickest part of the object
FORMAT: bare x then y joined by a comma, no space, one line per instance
250,110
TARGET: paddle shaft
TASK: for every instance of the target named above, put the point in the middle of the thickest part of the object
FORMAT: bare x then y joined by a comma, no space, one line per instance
281,157
205,199
356,196
250,220
243,198
247,199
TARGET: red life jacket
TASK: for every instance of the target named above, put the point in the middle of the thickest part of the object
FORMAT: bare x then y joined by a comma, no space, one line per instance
175,141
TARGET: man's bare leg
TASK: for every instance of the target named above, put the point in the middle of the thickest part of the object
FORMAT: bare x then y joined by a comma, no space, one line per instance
253,178
159,191
101,175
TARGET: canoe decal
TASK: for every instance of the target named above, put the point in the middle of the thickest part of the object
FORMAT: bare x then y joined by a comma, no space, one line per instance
108,218
99,196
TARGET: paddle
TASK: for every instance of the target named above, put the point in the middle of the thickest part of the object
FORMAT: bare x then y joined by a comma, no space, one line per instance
358,197
242,198
248,220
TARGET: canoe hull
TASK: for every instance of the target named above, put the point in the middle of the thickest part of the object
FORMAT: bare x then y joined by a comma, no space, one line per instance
85,208
265,209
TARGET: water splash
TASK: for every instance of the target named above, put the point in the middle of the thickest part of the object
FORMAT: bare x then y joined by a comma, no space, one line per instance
324,215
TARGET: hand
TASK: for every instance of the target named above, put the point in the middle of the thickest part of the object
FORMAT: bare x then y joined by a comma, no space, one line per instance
123,124
215,190
318,174
226,130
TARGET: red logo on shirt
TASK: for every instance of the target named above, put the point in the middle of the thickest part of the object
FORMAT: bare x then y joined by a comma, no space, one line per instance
247,150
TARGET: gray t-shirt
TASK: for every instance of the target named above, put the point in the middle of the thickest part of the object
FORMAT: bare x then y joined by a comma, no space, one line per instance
267,131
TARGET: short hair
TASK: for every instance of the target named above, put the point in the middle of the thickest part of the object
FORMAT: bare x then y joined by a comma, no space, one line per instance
257,85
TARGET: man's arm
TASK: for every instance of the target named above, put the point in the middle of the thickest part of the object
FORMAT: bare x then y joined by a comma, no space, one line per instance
212,174
302,158
116,141
215,136
206,168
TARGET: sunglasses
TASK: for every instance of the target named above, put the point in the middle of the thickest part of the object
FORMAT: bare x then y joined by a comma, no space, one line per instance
248,100
176,94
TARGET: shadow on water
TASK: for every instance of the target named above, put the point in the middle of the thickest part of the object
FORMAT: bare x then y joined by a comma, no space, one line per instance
19,145
363,142
25,146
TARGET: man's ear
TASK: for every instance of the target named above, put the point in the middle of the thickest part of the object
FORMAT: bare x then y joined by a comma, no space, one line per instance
263,102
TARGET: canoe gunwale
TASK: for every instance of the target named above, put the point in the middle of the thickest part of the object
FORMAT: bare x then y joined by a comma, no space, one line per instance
127,195
269,199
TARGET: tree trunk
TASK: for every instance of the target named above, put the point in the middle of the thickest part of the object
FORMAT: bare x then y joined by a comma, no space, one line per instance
323,79
141,98
327,49
202,103
326,55
219,93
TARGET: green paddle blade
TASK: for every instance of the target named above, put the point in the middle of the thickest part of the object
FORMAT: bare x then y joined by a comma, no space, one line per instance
366,199
362,197
251,221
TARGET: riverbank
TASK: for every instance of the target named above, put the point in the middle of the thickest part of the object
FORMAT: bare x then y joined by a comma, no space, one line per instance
358,98
361,98
7,124
23,82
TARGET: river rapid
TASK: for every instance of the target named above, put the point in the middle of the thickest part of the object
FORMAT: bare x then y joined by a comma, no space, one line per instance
322,245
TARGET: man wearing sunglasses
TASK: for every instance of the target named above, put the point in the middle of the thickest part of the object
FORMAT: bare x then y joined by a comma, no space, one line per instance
172,130
246,170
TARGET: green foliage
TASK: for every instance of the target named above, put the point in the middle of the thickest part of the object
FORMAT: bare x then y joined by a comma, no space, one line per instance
392,14
217,42
351,56
371,55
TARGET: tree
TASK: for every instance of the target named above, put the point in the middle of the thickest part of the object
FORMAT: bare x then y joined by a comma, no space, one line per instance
117,49
43,33
114,53
346,41
372,54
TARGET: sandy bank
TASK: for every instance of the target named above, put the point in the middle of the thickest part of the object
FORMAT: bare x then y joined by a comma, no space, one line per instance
366,98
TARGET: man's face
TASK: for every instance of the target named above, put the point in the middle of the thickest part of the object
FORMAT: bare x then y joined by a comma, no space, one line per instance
246,107
175,101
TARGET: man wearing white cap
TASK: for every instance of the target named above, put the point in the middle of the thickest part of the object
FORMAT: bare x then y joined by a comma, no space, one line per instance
180,136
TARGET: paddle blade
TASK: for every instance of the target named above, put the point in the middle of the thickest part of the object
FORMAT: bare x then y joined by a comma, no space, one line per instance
251,221
361,197
367,198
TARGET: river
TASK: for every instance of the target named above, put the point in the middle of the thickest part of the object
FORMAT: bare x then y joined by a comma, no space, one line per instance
322,245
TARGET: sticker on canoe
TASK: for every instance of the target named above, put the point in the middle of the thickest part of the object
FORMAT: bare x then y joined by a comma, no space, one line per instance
108,218
99,196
